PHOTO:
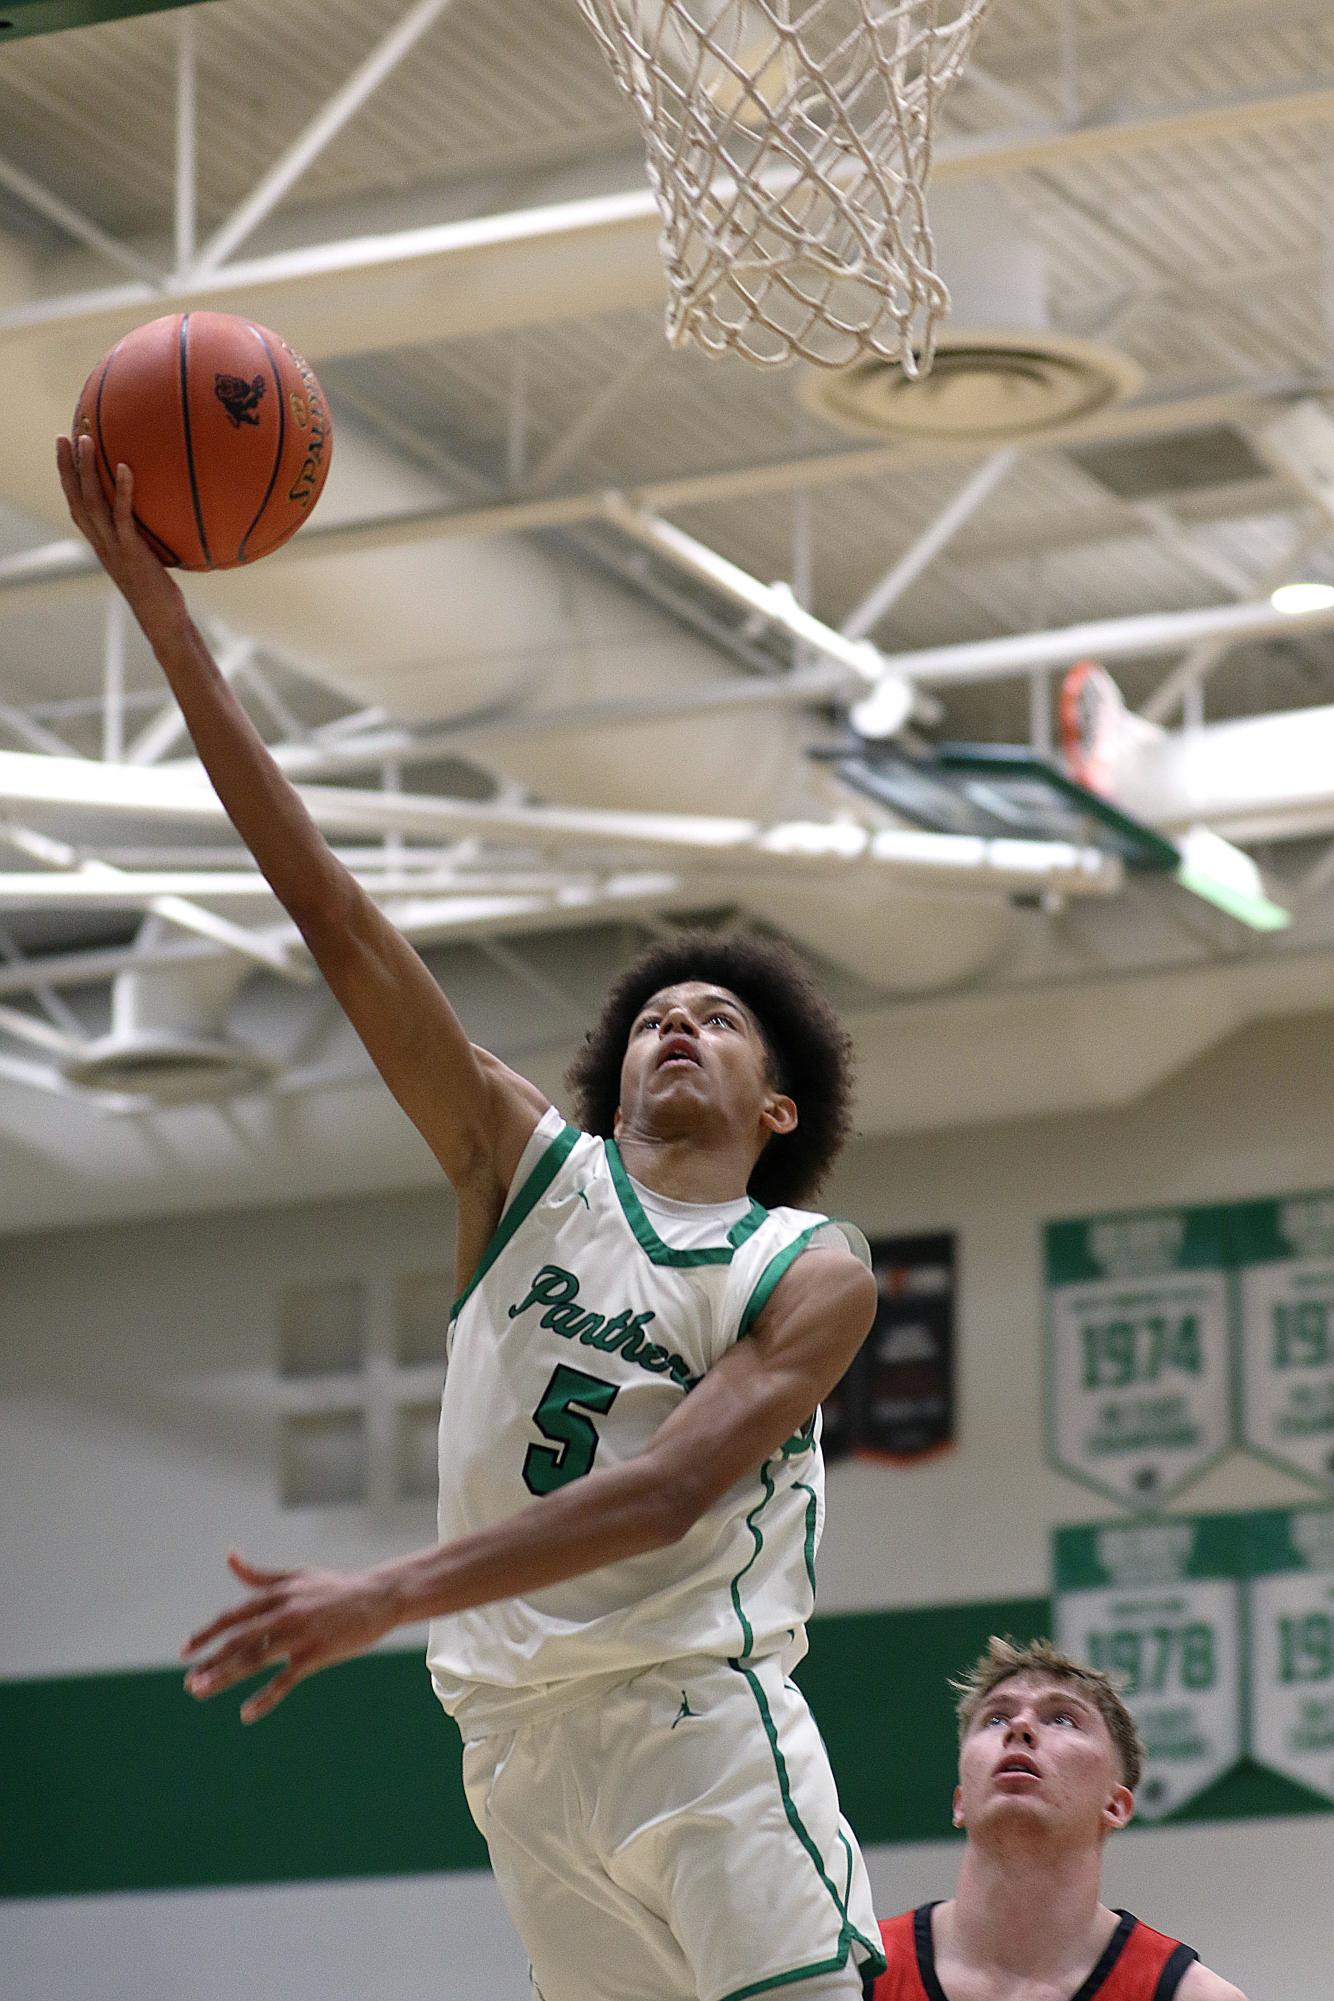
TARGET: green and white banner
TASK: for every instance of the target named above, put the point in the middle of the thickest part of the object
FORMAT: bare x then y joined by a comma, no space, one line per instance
1284,1253
1139,1350
1292,1645
1159,1606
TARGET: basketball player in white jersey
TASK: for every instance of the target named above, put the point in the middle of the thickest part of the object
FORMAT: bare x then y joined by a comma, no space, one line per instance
631,1488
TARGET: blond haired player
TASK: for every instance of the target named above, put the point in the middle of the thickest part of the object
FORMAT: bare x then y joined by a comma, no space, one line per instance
1049,1758
631,1491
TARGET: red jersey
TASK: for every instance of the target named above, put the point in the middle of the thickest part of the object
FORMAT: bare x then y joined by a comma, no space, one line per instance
1139,1964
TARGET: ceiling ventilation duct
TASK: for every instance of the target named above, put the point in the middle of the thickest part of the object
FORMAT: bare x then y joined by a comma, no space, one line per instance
168,1043
1000,374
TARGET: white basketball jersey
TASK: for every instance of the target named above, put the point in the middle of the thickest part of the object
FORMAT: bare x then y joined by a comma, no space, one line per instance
584,1325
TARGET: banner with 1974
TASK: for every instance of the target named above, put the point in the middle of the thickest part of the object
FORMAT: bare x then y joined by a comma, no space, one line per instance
1139,1350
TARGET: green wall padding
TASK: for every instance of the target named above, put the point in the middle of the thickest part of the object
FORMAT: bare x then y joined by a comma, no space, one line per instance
122,1782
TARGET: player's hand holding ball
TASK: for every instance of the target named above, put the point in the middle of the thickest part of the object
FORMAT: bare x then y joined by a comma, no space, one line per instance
153,596
201,441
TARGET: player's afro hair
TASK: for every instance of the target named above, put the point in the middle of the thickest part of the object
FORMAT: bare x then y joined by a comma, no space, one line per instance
810,1052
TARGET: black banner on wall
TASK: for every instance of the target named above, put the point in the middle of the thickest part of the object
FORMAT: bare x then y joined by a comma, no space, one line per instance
897,1400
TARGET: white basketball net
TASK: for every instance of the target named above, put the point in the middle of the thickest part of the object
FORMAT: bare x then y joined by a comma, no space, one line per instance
789,143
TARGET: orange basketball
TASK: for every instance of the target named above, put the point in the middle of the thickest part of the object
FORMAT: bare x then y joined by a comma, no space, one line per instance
225,429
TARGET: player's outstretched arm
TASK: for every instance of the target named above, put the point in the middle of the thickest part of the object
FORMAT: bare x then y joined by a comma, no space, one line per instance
474,1113
745,1409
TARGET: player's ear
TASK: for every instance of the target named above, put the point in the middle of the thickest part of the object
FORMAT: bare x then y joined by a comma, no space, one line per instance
616,1123
779,1114
1119,1809
956,1813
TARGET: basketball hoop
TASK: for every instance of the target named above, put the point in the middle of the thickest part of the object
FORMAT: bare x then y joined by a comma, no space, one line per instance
789,143
1093,727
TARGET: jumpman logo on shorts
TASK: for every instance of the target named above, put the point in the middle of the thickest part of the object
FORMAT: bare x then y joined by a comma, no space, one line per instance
684,1711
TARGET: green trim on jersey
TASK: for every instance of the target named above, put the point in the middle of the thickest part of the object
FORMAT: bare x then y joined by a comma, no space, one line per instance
649,1240
544,1172
777,1980
778,1264
747,1632
812,1511
848,1934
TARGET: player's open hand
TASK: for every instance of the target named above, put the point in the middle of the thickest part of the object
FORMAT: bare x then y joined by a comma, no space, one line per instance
307,1619
111,534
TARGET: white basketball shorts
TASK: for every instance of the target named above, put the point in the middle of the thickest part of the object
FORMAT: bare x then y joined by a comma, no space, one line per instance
675,1838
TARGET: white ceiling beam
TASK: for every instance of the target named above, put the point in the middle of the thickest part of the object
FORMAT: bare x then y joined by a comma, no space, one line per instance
54,1006
774,604
1162,523
67,566
35,735
327,123
36,1076
55,971
184,797
1260,778
1207,654
1107,639
909,857
81,227
184,207
577,258
691,841
85,882
27,1028
589,420
933,540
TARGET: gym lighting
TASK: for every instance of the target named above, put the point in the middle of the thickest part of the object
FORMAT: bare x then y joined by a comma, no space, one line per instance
1292,599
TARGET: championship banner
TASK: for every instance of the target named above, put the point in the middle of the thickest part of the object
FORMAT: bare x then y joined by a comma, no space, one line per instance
1158,1605
1285,1254
1292,1645
1139,1369
897,1399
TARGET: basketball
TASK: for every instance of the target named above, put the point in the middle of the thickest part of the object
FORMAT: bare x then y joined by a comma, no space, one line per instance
225,429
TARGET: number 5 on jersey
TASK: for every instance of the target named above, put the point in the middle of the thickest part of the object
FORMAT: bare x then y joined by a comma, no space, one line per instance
560,1417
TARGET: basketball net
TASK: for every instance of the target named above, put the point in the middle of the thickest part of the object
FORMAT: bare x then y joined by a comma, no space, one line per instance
789,143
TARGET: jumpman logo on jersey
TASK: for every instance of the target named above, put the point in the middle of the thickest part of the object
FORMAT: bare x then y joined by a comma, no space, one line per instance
684,1711
584,1198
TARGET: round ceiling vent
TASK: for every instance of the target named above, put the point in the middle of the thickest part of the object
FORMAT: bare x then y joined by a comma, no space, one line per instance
991,387
167,1069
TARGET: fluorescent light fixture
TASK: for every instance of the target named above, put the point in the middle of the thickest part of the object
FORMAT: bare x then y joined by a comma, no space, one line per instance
1227,877
1293,599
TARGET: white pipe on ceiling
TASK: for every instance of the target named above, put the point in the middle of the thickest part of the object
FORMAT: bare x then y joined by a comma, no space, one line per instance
692,840
1102,639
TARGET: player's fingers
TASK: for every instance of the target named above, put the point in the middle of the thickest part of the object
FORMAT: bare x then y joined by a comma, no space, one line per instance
252,1610
123,511
69,478
273,1692
251,1573
90,491
71,485
244,1654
